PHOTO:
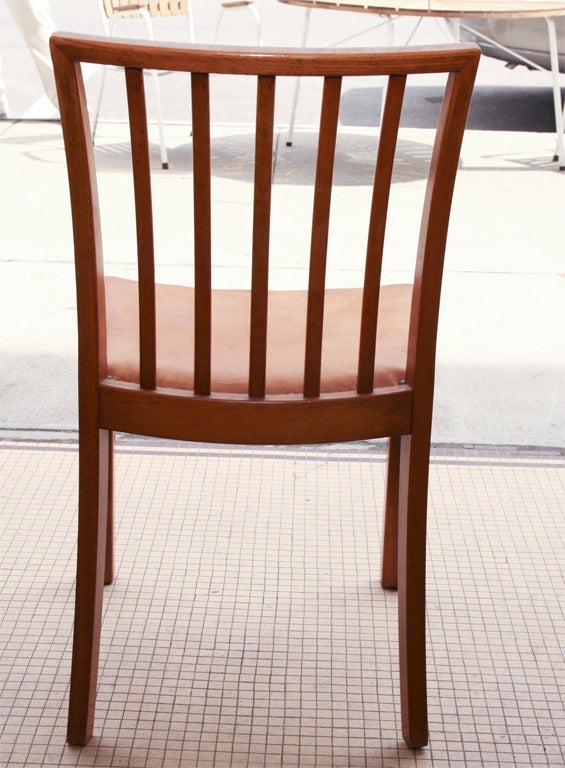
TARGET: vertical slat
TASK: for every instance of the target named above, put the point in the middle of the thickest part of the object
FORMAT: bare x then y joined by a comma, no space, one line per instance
144,226
159,7
202,233
377,226
261,231
320,225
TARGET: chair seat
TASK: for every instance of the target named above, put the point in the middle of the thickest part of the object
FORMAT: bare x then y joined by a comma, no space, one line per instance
230,339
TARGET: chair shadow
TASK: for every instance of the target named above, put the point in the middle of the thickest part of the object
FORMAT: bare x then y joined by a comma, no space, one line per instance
232,158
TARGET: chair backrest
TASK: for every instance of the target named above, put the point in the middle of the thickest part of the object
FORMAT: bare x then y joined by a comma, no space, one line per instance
458,62
155,7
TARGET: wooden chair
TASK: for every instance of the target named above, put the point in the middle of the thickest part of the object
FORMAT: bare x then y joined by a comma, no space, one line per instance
221,365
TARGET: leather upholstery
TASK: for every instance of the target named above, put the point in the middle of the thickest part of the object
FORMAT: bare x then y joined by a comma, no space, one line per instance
230,337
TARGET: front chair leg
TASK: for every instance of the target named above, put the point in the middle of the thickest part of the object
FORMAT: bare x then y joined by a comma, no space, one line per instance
94,462
413,492
389,573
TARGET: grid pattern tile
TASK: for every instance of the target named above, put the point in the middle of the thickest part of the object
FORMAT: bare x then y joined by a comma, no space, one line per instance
247,627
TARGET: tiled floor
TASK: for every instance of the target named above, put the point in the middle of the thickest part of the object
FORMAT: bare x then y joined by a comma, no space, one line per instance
247,627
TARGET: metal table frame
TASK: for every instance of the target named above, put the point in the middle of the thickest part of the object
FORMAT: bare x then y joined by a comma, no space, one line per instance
458,11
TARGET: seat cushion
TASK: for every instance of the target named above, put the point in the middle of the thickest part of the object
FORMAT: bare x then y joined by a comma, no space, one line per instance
230,337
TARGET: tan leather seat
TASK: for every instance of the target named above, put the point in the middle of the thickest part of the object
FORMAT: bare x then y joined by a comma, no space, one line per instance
230,339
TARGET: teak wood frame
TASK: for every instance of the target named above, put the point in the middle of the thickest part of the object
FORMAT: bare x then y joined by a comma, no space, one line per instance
402,412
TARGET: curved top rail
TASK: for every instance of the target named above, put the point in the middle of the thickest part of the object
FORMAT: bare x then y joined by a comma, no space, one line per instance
273,61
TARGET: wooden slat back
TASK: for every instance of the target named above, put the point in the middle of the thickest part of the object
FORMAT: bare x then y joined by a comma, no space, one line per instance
168,7
459,62
320,227
155,7
144,227
261,232
202,233
377,227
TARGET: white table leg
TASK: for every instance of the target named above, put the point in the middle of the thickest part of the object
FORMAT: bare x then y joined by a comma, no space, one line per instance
557,105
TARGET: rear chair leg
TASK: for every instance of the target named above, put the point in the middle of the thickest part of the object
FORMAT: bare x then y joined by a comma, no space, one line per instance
94,465
389,573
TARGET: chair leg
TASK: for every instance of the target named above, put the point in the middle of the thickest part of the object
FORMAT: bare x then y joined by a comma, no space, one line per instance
144,15
238,6
190,20
257,17
146,18
292,121
162,141
389,573
413,493
94,463
109,564
96,114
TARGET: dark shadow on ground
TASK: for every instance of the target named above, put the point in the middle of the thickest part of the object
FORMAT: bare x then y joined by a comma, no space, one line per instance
493,108
232,158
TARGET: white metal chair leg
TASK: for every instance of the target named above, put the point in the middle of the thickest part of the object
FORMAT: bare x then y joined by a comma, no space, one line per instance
96,114
190,18
305,28
557,105
162,144
390,43
255,14
109,30
155,77
241,5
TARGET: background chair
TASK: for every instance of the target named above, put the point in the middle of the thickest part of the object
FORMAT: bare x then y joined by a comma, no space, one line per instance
259,366
151,8
114,11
